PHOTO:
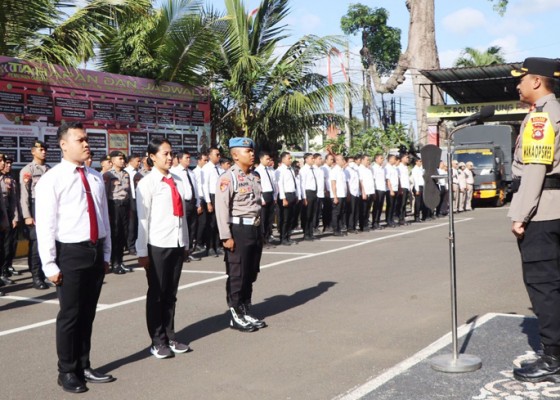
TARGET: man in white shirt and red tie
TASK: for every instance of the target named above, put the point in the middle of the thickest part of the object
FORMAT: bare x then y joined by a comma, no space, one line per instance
287,197
162,245
72,222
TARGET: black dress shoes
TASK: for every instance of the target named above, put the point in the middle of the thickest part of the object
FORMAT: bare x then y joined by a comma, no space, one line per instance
92,376
545,368
71,383
39,284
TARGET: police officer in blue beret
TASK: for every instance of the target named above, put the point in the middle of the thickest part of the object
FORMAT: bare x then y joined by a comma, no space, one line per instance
238,206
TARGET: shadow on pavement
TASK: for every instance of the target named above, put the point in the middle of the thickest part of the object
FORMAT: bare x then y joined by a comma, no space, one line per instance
269,307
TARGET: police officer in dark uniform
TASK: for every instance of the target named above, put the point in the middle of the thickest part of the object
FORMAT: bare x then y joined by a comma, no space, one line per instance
238,206
28,178
117,187
9,194
535,211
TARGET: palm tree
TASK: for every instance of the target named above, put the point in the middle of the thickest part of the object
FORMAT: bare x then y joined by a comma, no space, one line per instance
471,57
174,43
267,94
40,30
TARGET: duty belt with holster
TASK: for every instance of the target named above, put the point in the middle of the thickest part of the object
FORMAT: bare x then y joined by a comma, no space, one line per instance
255,221
551,182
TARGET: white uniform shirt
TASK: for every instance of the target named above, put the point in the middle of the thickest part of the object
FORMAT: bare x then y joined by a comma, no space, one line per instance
189,191
308,178
442,183
379,178
392,175
197,171
353,179
131,172
339,176
286,181
417,175
326,173
404,176
366,177
469,176
61,215
267,182
157,225
320,181
210,174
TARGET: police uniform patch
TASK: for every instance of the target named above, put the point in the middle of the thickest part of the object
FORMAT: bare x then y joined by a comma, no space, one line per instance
538,140
224,184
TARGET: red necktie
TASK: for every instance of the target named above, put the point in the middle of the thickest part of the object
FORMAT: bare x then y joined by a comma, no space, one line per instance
175,197
93,230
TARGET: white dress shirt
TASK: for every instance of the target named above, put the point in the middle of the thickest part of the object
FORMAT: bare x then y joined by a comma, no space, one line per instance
339,176
379,178
366,177
157,225
197,171
320,181
189,191
392,176
442,182
61,214
417,175
210,175
353,179
404,176
131,172
327,173
308,179
267,183
286,181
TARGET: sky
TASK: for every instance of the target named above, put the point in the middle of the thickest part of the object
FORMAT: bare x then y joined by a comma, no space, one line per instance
525,30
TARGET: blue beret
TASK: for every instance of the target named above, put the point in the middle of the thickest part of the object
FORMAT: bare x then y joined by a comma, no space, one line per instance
241,142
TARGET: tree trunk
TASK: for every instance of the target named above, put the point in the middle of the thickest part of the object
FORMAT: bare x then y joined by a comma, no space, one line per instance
421,53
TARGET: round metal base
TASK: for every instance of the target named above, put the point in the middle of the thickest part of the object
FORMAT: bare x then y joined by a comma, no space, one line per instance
463,363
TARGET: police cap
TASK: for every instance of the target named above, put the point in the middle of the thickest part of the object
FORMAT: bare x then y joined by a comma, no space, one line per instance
538,66
241,142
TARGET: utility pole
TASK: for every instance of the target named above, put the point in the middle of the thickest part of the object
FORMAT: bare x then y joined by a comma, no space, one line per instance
347,102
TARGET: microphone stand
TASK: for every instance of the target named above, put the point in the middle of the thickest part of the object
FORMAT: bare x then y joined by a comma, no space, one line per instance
453,362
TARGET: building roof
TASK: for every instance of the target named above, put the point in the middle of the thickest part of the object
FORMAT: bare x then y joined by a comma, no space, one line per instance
476,84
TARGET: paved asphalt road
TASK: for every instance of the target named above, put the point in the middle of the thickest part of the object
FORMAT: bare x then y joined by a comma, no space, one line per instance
340,311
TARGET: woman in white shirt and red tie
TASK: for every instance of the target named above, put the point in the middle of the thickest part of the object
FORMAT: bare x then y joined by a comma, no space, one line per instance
162,246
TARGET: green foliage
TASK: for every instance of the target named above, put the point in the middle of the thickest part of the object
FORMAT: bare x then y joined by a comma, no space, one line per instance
372,141
500,6
382,41
471,57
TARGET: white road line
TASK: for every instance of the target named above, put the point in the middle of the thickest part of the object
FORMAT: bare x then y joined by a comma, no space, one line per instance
218,278
342,240
35,300
192,271
374,383
286,253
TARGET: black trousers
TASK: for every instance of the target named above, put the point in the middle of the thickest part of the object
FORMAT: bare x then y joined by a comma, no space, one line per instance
163,282
365,209
243,264
402,199
201,229
338,211
419,204
118,218
192,220
132,225
443,206
310,211
353,212
212,227
286,215
33,259
378,206
267,214
327,212
10,247
540,254
319,211
82,268
390,208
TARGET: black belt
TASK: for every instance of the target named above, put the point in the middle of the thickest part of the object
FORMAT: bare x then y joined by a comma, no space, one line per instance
552,182
86,243
120,202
